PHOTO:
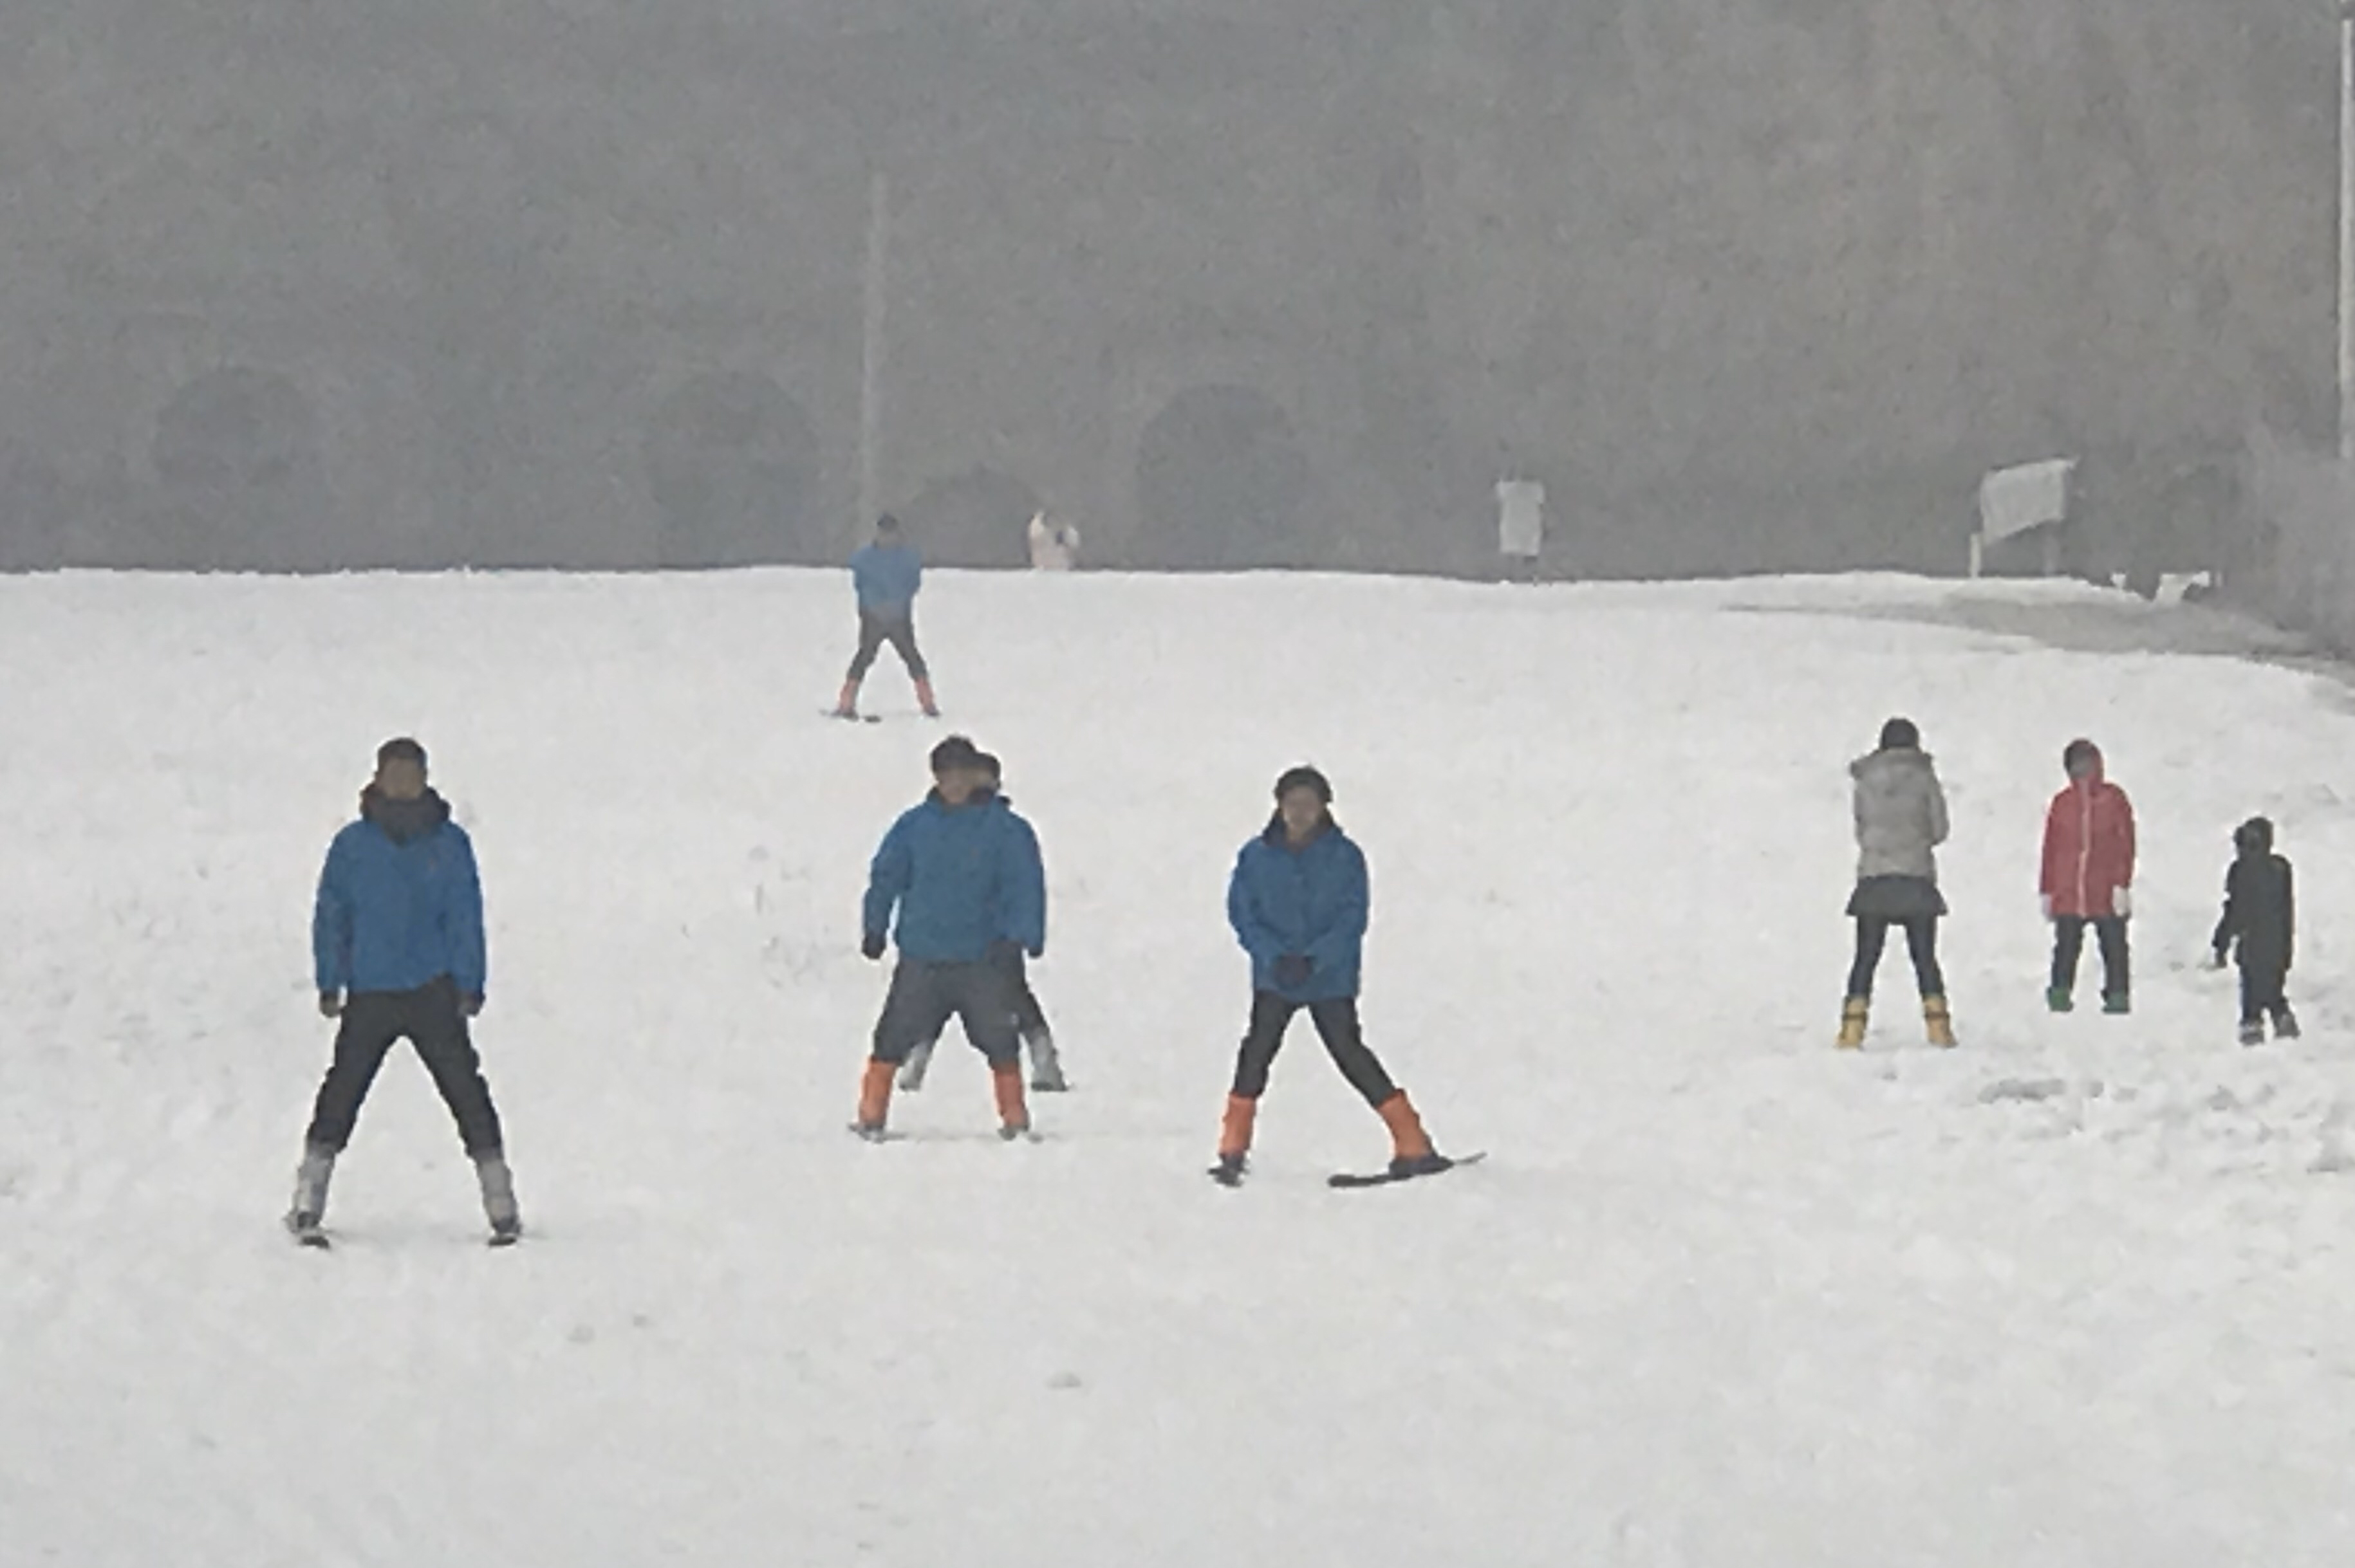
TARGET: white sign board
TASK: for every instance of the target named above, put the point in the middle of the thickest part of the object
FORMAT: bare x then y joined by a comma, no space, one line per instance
1521,517
2014,500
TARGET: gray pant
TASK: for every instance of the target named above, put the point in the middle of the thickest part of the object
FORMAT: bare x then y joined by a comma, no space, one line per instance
925,996
1029,1024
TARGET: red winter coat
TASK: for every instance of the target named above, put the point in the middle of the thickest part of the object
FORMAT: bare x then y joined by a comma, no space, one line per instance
2089,847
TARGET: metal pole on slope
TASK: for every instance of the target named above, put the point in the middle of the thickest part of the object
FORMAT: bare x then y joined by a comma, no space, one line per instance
870,386
2346,231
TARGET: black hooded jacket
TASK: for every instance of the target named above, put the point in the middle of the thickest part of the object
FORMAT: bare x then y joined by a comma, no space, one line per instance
2260,903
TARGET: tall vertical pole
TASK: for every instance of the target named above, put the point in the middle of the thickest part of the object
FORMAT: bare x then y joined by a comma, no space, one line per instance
2346,231
870,387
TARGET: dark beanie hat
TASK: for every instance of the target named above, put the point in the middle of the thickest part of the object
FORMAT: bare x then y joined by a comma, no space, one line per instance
400,748
1899,735
956,751
886,523
1304,778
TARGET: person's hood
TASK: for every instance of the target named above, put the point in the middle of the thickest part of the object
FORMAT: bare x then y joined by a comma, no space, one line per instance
403,822
1886,765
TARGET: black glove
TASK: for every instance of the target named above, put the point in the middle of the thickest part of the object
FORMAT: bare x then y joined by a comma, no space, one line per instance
471,1004
1292,969
872,947
331,1005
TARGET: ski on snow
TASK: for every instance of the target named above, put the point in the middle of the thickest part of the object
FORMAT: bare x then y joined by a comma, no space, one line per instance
316,1239
852,718
882,1134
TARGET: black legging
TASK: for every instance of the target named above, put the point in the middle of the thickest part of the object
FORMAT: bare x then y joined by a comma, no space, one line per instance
1336,1024
1920,940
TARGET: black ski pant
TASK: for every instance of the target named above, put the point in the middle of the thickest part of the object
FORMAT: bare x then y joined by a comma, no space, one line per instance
1921,941
2263,990
925,996
2069,942
431,1019
900,631
1336,1025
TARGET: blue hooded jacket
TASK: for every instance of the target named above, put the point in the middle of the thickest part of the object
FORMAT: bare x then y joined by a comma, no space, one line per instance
886,577
400,902
1313,901
961,878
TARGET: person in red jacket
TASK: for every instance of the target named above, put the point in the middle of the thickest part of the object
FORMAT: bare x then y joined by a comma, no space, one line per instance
2089,865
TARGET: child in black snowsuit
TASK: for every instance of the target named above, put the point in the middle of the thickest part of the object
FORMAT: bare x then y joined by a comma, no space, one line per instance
2261,914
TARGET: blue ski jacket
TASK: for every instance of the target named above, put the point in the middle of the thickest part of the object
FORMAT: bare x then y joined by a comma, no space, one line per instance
1313,901
961,879
886,577
399,903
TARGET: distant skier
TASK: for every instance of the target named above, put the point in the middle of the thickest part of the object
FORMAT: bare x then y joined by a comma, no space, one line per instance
2088,878
887,574
1054,546
1299,903
1030,1017
1900,820
2260,920
397,935
963,871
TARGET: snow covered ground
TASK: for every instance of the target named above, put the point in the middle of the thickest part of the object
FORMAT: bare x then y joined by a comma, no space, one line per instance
2080,1293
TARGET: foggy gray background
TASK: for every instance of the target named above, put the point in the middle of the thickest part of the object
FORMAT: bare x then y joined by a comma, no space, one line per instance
1750,283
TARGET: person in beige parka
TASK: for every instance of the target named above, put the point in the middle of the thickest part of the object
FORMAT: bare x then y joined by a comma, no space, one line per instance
1901,820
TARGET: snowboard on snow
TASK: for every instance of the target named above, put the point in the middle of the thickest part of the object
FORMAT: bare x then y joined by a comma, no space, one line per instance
1232,1175
1353,1179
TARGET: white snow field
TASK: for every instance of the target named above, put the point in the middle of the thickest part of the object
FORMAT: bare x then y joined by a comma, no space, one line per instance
2080,1293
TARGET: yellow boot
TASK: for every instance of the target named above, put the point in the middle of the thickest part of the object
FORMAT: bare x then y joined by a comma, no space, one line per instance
1853,1014
1938,1022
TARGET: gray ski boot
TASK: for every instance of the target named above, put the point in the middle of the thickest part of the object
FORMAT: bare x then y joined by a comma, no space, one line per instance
919,1063
499,1199
1046,1064
310,1206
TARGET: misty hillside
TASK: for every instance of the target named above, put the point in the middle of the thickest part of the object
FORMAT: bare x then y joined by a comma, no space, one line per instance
1752,283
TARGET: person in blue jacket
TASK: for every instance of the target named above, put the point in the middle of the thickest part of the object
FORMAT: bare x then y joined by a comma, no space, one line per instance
1029,1015
1299,901
396,941
887,574
961,872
